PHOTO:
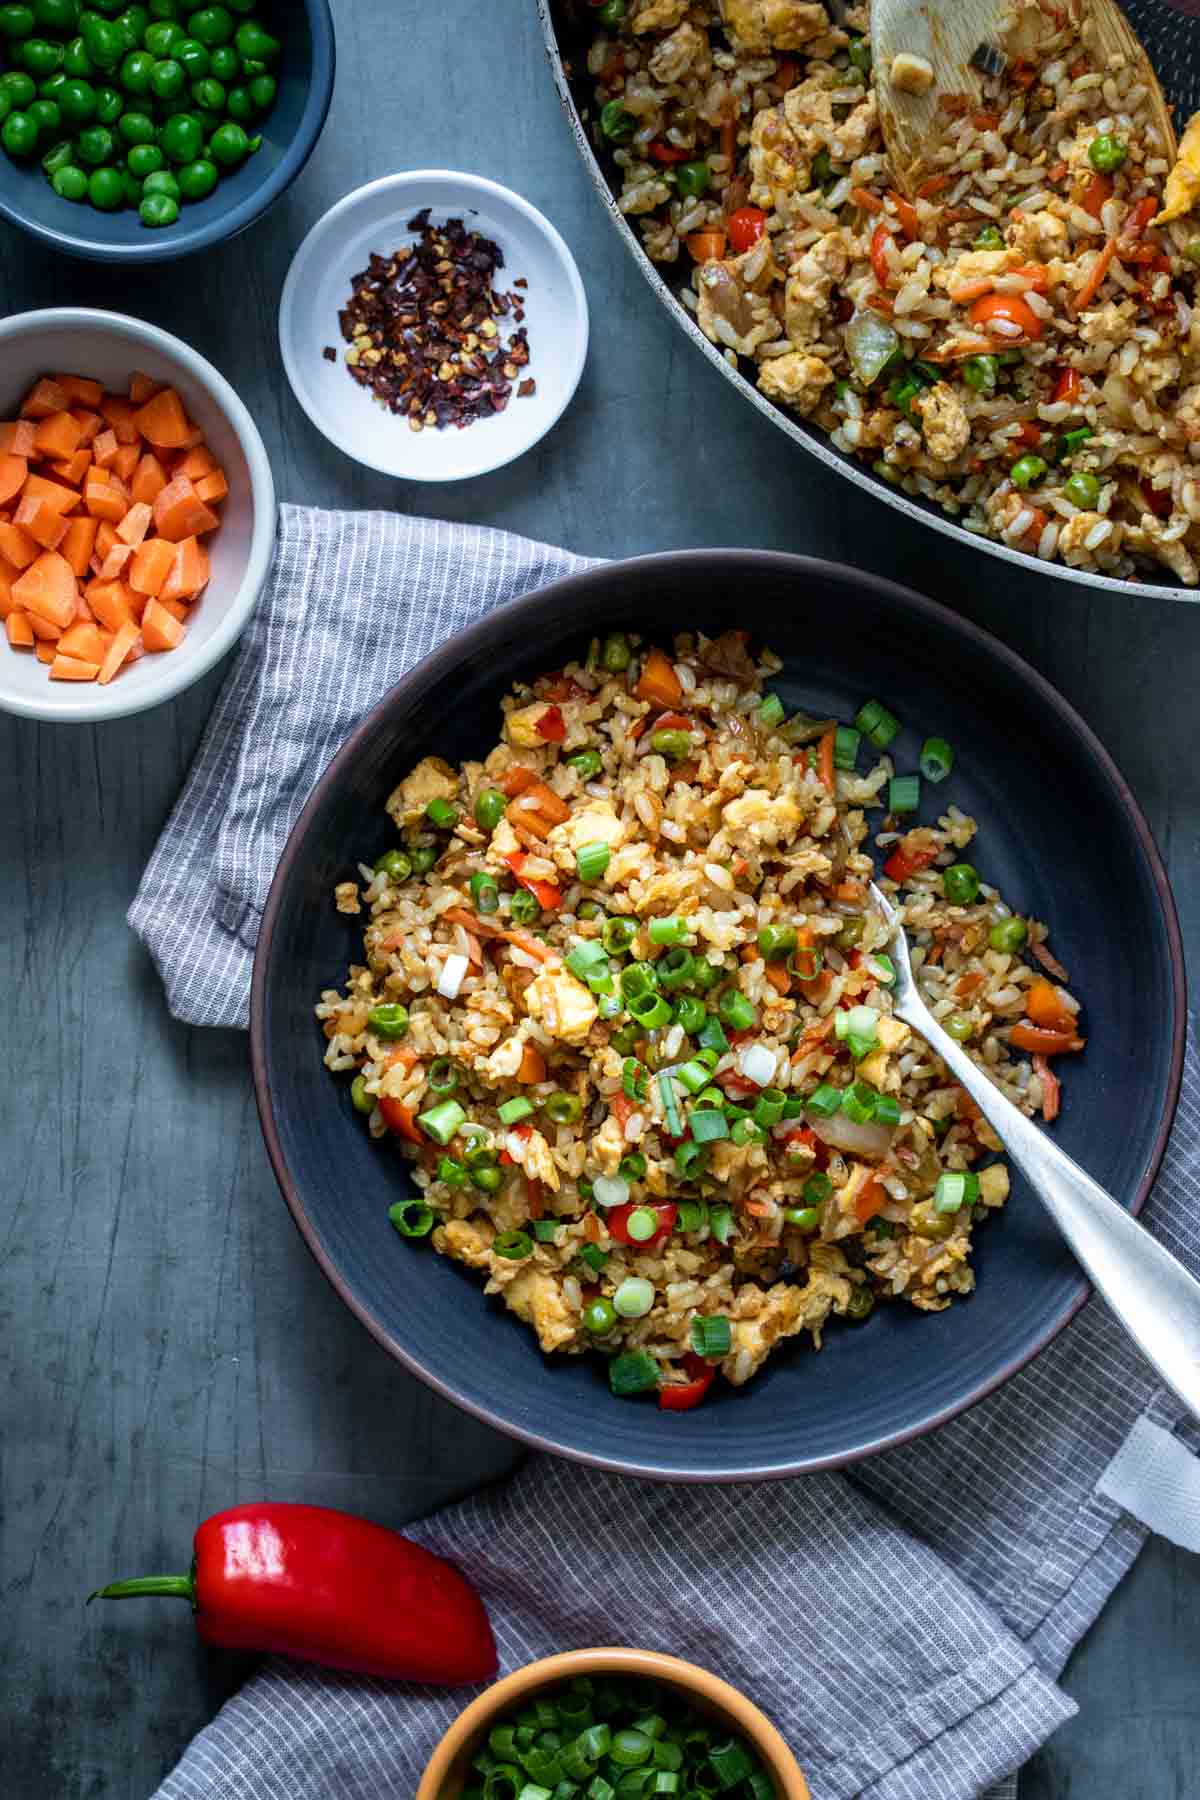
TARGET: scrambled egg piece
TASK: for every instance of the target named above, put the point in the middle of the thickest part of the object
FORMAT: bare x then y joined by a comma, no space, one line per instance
520,727
659,15
561,1005
345,896
596,824
687,48
795,377
1183,183
432,779
538,1300
467,1241
767,817
763,25
784,1311
947,427
532,1153
993,1184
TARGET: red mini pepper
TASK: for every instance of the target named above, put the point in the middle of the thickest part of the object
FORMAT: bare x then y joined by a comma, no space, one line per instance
325,1587
678,1398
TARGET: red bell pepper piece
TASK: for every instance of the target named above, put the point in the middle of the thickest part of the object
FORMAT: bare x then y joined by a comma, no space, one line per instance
1041,1041
545,893
881,241
680,1398
1067,387
746,226
618,1222
902,863
325,1587
400,1118
552,726
662,152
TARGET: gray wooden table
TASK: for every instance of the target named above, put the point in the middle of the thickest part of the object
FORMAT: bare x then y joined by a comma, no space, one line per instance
168,1346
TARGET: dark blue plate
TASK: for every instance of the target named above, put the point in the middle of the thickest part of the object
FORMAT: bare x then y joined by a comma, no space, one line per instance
1061,835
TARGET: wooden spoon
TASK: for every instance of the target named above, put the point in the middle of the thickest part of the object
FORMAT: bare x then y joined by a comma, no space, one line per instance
950,37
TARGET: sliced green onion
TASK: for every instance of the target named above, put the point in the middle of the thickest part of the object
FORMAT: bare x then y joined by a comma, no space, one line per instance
633,1166
671,930
937,759
670,1106
451,1171
817,1189
706,1127
389,1021
768,1108
634,1298
845,747
955,1190
824,1102
642,1224
712,1037
771,711
412,1218
650,1011
747,1131
444,1076
485,895
523,906
634,1373
805,1218
587,961
904,793
691,1159
638,978
514,1246
594,1257
617,935
545,1230
858,1103
720,1219
441,1122
586,764
692,1075
630,1749
887,1110
516,1108
635,1079
706,974
731,1763
858,1021
1071,441
563,1108
712,1335
691,1215
690,1013
591,860
736,1010
776,941
675,968
882,967
608,1006
876,722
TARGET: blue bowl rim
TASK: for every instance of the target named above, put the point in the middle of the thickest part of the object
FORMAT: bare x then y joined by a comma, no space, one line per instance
166,246
570,594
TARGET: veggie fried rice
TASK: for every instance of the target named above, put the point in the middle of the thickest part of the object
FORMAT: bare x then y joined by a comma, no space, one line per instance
1017,342
624,1004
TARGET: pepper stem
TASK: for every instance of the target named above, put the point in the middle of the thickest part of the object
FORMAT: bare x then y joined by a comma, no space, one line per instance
179,1587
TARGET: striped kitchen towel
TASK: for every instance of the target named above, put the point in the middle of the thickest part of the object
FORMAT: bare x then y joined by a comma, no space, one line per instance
904,1623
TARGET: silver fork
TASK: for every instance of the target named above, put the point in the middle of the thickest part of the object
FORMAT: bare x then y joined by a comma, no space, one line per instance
1151,1293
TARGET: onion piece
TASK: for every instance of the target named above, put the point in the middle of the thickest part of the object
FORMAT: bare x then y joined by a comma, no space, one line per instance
610,1190
757,1064
840,1133
451,978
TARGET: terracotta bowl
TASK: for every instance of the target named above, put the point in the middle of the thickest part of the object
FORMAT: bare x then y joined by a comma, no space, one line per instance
448,1768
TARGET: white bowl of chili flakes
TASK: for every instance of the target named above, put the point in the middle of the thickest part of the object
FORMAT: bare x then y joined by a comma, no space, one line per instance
428,350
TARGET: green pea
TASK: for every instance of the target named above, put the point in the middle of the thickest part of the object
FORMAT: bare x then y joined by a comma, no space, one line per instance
164,37
194,57
198,179
960,1025
96,146
1107,153
163,9
131,188
77,99
167,78
860,55
132,23
158,209
600,1317
106,190
423,856
360,1100
104,43
16,21
611,13
226,63
20,88
255,43
981,373
19,134
263,90
70,183
229,145
137,128
143,160
960,884
181,138
693,178
251,66
1028,469
616,124
990,238
1008,935
212,25
209,94
239,104
162,182
41,57
109,105
49,89
60,157
76,60
1082,490
136,71
45,116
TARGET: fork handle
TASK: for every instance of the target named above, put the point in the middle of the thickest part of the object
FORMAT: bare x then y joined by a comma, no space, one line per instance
1149,1290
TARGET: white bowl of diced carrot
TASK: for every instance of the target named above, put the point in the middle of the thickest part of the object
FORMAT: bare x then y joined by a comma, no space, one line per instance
137,515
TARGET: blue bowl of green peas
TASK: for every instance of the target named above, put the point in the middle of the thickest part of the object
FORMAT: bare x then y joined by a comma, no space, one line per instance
141,132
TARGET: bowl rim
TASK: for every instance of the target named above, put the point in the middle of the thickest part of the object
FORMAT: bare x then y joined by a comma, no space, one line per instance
748,1718
809,438
474,641
163,246
471,184
87,707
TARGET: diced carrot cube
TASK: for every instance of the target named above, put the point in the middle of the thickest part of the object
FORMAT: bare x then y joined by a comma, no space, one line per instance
127,459
114,563
119,413
104,450
7,576
48,588
78,544
17,437
45,653
58,435
149,479
136,523
74,468
44,398
81,389
20,633
17,546
44,628
180,513
189,572
178,609
56,494
159,630
124,639
70,668
196,463
106,537
83,610
85,641
142,387
153,562
105,503
163,422
112,604
43,524
90,425
212,488
13,473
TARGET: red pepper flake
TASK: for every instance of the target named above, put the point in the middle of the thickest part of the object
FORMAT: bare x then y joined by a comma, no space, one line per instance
426,328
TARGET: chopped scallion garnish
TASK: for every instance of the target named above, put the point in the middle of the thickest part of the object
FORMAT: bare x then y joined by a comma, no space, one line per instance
711,1334
904,793
877,723
937,759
